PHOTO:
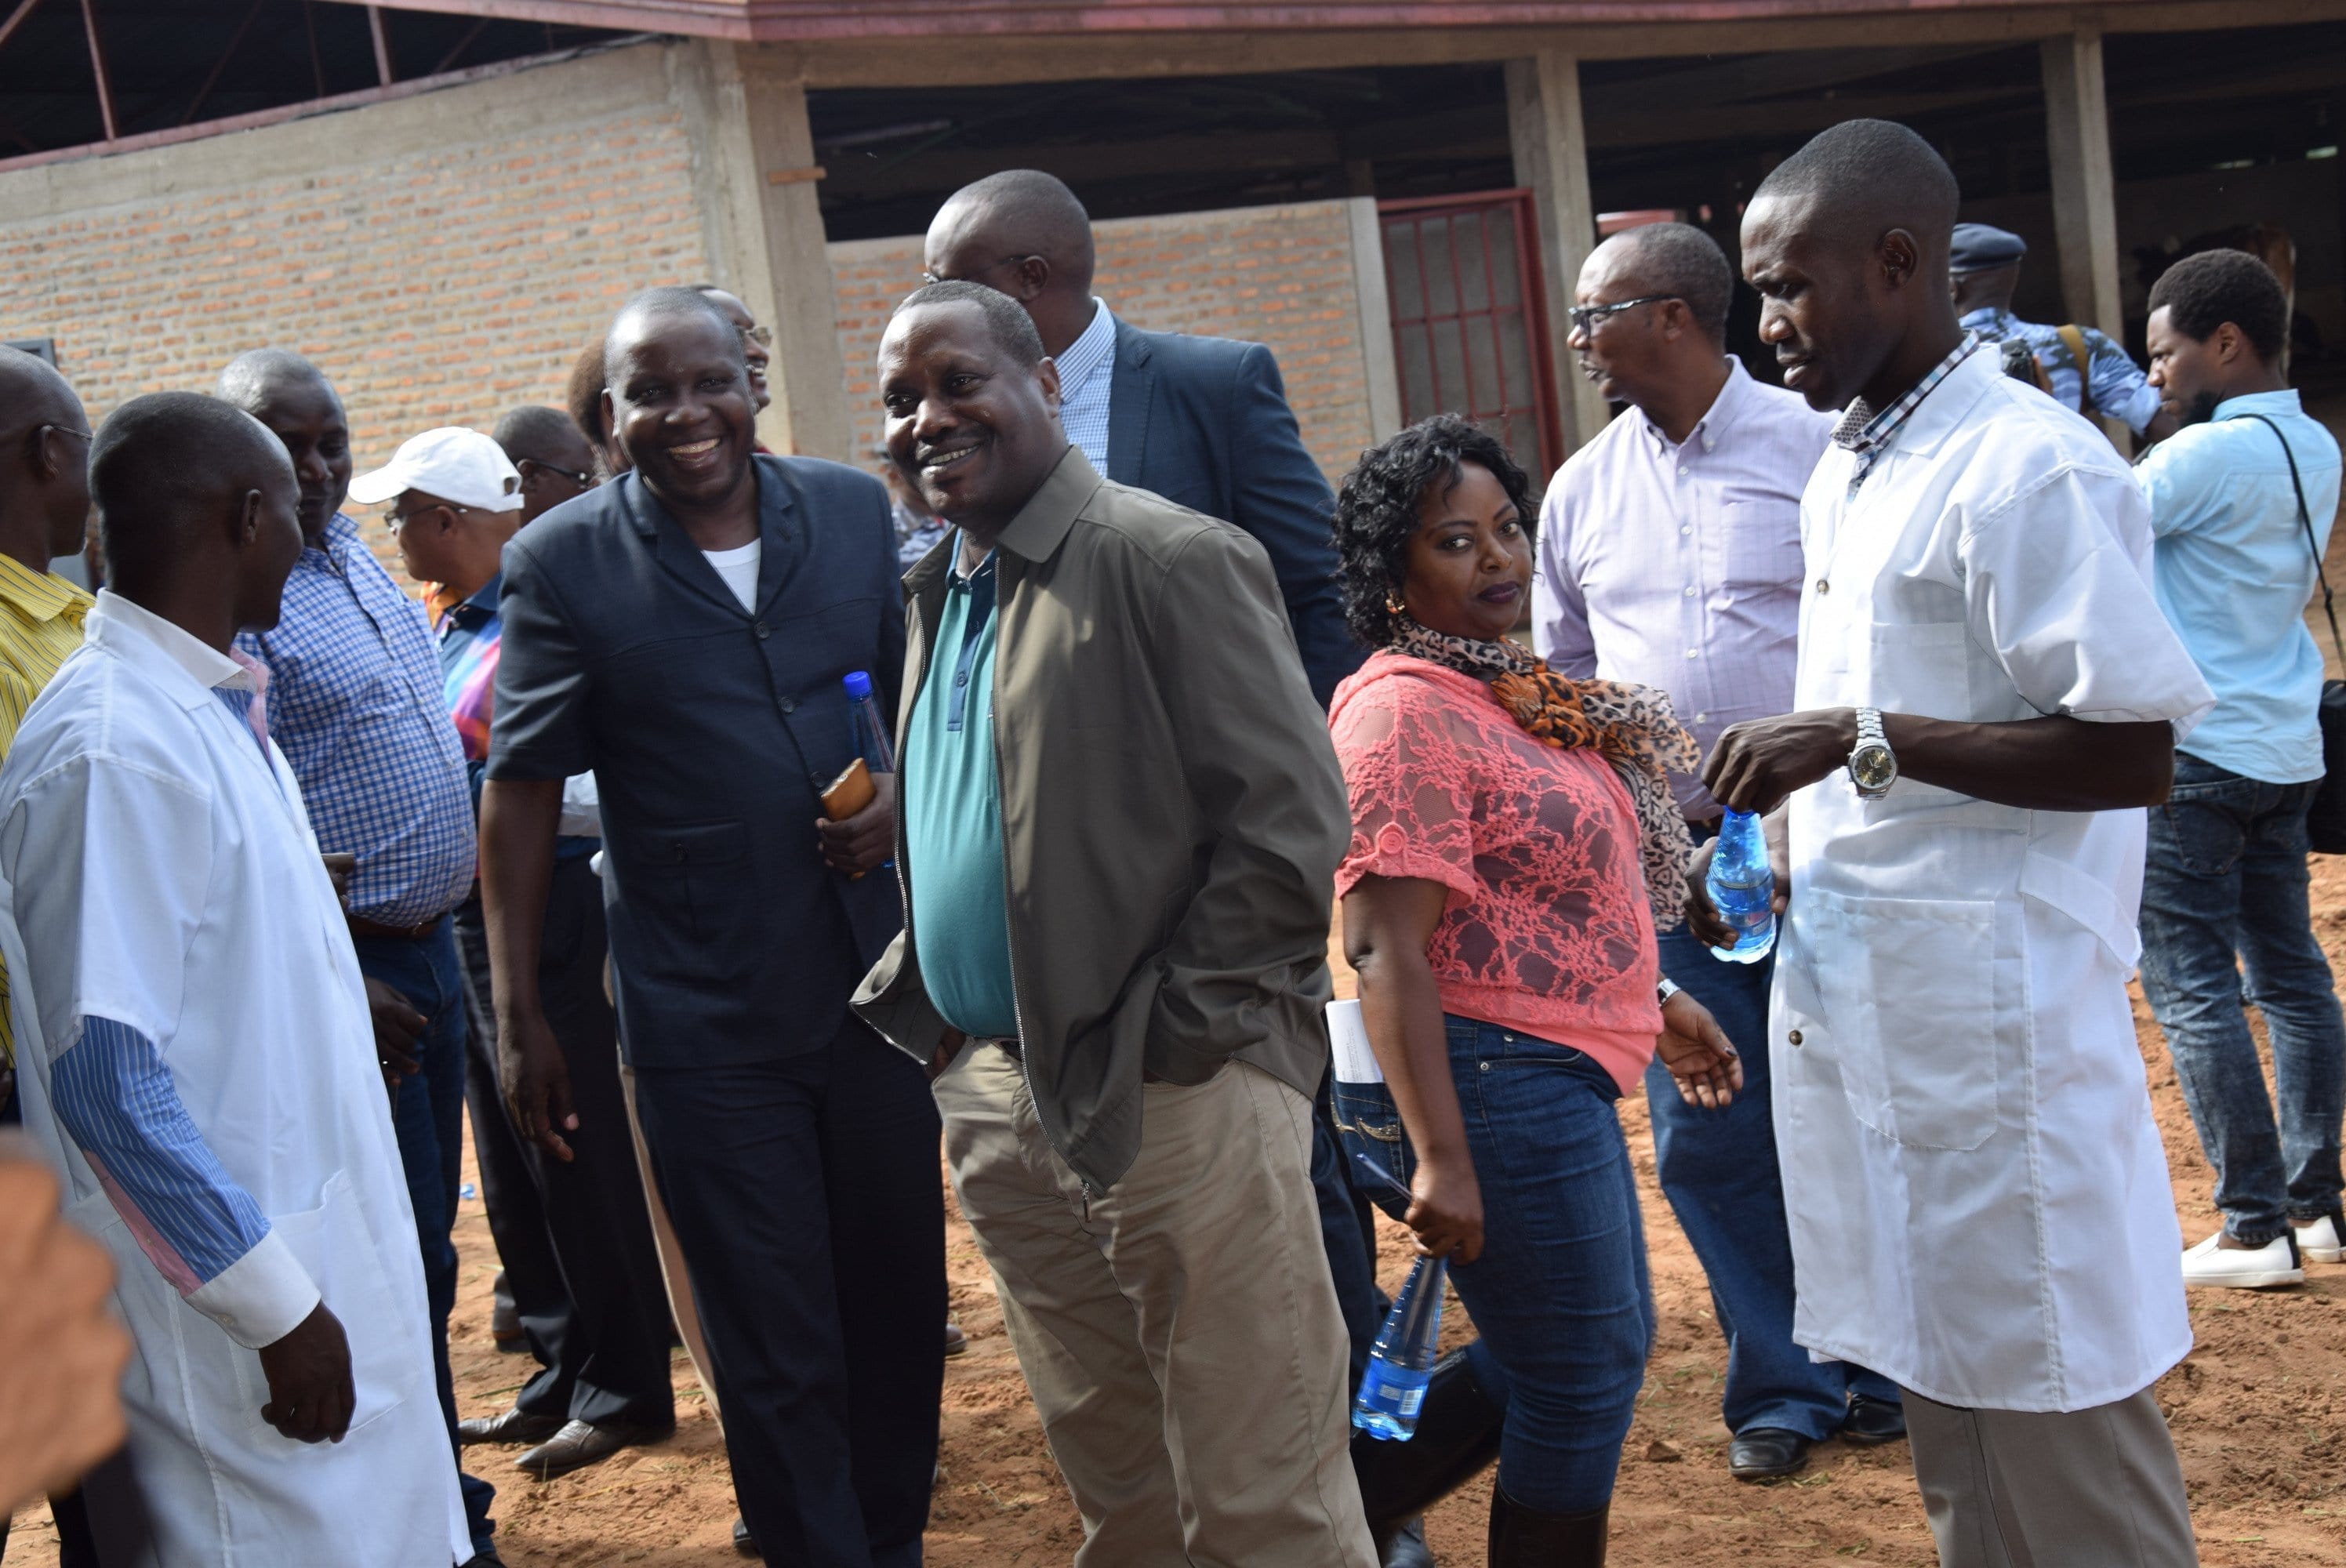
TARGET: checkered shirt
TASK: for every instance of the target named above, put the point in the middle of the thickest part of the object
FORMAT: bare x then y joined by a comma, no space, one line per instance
354,703
1869,434
1085,371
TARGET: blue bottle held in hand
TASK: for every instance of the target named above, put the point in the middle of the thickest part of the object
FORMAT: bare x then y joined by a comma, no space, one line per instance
1743,888
1393,1390
870,730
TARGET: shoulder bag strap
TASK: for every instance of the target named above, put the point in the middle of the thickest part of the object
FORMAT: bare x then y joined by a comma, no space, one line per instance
2075,340
2305,520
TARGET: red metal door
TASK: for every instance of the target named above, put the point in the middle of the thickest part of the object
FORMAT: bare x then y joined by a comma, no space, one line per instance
1470,320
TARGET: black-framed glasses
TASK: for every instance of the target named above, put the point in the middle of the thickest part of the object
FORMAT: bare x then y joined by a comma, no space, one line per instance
929,277
1589,318
583,480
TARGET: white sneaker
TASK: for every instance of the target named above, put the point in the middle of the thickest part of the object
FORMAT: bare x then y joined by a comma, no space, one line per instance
2318,1241
2212,1262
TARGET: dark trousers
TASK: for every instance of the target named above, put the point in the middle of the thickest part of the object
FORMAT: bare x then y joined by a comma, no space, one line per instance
2225,924
805,1193
1719,1170
575,1236
429,1117
1348,1234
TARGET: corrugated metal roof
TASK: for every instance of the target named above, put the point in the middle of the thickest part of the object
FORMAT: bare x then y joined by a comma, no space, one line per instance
779,20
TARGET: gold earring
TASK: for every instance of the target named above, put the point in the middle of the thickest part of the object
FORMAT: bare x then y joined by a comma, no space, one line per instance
1393,606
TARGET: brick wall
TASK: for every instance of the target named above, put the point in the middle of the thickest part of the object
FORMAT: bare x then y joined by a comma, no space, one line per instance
444,257
437,285
1275,275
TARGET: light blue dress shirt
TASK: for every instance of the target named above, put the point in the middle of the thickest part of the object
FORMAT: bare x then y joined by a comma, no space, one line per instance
1086,372
2233,571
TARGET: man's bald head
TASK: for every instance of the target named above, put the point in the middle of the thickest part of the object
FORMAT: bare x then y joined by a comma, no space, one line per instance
1862,178
648,311
293,398
551,454
195,498
1023,233
254,377
44,461
1846,241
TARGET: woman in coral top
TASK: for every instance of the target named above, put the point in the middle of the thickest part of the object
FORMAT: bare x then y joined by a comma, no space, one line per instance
1515,845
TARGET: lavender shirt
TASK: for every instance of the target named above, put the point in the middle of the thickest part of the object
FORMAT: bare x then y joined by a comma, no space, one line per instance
1679,566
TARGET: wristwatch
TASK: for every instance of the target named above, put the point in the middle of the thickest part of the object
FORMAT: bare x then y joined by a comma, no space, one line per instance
1872,766
1665,988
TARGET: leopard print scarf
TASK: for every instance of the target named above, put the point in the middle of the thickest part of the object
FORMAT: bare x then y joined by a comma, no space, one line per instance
1631,727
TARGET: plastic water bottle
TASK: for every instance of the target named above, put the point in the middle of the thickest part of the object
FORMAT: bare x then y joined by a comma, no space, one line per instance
870,735
1743,888
1393,1390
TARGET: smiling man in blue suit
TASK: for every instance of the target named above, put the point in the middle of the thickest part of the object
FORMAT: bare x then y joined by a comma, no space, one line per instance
1202,421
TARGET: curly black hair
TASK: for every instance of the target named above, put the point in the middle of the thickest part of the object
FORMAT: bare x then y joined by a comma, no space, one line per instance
2201,292
1376,510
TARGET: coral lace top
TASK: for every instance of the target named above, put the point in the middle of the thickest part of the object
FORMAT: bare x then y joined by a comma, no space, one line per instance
1547,928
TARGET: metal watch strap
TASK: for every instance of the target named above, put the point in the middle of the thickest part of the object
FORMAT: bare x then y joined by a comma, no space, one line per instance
1666,988
1869,728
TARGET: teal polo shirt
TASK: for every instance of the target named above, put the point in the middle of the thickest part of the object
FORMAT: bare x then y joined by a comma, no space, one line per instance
953,817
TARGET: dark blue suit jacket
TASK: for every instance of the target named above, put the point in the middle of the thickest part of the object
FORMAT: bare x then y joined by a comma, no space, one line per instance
712,731
1204,422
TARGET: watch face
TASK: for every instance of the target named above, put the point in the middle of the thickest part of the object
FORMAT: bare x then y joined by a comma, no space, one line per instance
1872,767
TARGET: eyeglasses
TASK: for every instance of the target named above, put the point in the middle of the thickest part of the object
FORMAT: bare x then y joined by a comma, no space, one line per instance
395,519
1586,318
583,480
66,430
928,277
762,336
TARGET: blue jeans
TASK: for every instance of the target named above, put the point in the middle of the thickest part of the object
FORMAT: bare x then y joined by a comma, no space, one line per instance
1560,1294
1719,1170
429,1117
2225,924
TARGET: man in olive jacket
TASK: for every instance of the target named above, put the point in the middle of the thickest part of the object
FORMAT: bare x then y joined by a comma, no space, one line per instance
1120,823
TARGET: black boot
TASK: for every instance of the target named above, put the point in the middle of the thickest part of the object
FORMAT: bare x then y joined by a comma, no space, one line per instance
1523,1538
1457,1435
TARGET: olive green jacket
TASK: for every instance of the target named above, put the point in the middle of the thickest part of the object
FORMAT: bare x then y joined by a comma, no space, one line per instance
1172,812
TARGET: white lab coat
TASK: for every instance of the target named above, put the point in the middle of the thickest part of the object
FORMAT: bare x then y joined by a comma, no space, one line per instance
1978,1195
152,870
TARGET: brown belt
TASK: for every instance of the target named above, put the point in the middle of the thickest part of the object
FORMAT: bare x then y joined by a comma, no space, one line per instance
360,926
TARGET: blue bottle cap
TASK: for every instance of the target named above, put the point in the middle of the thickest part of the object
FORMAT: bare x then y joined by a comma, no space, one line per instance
859,685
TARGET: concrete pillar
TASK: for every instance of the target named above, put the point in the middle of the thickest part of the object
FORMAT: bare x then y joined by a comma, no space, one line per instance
1374,301
755,179
2085,185
1551,151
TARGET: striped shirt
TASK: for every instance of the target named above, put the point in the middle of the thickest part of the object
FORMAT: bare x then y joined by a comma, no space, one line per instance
1086,372
355,704
1869,434
40,624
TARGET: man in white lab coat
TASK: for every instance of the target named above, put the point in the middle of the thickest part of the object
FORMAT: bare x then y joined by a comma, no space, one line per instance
195,1050
1988,696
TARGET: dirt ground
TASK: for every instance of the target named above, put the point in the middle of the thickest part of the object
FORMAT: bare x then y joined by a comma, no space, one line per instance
2258,1412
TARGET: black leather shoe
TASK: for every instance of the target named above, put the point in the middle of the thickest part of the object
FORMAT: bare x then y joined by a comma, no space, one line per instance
744,1543
1767,1453
508,1426
486,1556
580,1444
1873,1422
955,1340
1407,1549
1523,1538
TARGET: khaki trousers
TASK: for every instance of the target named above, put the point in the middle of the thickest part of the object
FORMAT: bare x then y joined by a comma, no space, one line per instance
1178,1332
2098,1488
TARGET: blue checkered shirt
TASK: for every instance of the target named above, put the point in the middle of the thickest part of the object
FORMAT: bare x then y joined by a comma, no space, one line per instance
1869,434
1086,372
354,703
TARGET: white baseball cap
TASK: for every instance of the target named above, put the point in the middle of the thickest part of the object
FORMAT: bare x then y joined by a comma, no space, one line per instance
453,463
